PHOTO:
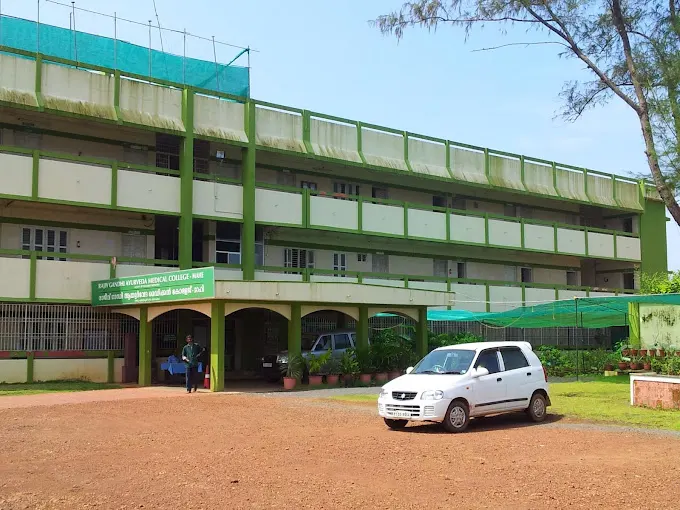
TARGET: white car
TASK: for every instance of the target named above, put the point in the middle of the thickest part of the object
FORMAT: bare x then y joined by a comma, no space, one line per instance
455,383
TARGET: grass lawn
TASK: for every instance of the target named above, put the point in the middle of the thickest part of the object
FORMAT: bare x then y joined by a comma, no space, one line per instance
604,399
52,387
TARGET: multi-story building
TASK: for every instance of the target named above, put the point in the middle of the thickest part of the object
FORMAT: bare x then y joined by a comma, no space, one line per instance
104,175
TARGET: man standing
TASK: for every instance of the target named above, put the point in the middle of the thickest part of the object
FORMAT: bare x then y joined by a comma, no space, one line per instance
190,354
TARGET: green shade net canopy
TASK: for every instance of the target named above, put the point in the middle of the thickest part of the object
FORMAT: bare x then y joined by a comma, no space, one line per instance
597,312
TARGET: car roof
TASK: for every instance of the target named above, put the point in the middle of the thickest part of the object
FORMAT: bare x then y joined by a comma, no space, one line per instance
476,346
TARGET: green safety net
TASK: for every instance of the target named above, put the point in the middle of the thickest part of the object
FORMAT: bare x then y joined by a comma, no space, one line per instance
600,312
101,51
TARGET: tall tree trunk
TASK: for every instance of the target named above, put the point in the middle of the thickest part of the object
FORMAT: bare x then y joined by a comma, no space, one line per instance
643,114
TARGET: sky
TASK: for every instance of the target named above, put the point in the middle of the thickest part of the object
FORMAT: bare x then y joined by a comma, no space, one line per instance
324,56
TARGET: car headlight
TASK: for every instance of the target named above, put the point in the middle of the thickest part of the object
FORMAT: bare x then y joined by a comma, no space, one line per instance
432,395
282,359
384,393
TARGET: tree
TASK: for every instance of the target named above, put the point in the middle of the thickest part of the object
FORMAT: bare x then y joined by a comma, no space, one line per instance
660,283
631,48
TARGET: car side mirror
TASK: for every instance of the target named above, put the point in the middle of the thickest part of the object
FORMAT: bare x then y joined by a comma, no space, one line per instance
480,372
409,370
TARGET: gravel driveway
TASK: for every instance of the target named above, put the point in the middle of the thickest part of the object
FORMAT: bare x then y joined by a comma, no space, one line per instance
294,451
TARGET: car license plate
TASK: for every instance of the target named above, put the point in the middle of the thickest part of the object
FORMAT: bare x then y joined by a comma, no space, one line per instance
401,414
267,365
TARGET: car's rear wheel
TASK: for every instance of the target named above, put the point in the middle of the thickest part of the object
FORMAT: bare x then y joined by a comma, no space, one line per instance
537,409
457,417
396,424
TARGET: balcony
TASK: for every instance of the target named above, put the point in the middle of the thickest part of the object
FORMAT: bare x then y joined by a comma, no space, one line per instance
291,207
31,276
71,88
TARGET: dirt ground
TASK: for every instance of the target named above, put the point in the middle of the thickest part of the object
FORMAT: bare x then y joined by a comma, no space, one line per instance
208,451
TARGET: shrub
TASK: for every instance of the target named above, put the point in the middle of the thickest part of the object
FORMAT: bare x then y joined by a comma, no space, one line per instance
561,363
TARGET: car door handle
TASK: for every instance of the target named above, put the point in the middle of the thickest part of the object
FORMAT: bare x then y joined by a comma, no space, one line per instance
499,379
529,374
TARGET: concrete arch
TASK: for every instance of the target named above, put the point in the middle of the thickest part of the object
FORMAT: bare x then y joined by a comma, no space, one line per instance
351,311
407,312
156,311
283,310
130,312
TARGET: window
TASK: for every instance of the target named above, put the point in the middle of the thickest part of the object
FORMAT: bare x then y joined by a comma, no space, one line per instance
513,358
342,341
379,193
489,360
167,151
510,210
439,267
285,178
344,188
572,278
628,280
45,240
259,245
458,203
339,263
201,156
461,270
526,275
438,201
134,246
361,257
353,337
324,344
228,243
380,263
308,185
301,259
628,225
27,140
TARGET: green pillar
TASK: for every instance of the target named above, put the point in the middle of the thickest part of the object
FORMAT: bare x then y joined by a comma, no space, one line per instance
634,339
362,329
295,330
144,347
248,184
186,175
217,346
111,363
653,238
185,326
30,361
421,332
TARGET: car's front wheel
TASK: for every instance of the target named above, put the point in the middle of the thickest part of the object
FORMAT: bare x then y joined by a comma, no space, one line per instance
396,424
457,417
537,409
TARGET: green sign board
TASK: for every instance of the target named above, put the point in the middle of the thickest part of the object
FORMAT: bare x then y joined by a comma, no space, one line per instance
186,285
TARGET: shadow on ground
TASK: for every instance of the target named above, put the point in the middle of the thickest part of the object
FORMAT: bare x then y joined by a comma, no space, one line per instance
485,424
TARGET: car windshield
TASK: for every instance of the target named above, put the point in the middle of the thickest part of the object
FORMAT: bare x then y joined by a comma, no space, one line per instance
449,361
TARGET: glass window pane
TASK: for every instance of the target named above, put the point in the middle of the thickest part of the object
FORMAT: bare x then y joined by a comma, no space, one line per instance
342,341
513,358
488,360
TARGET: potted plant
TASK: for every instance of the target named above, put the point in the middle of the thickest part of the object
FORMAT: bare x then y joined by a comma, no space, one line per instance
293,372
608,367
315,365
379,356
662,352
635,363
623,365
642,352
647,364
333,370
364,361
349,366
633,352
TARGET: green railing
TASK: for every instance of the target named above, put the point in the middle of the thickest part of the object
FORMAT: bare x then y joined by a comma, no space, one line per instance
643,189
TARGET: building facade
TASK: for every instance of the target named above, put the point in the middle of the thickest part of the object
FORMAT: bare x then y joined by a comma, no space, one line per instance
109,175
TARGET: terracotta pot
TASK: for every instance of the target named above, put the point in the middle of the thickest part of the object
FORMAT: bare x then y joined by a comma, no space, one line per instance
623,365
289,383
633,352
332,379
608,367
397,373
315,380
677,353
662,353
381,377
635,366
651,353
647,366
642,352
625,352
365,378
